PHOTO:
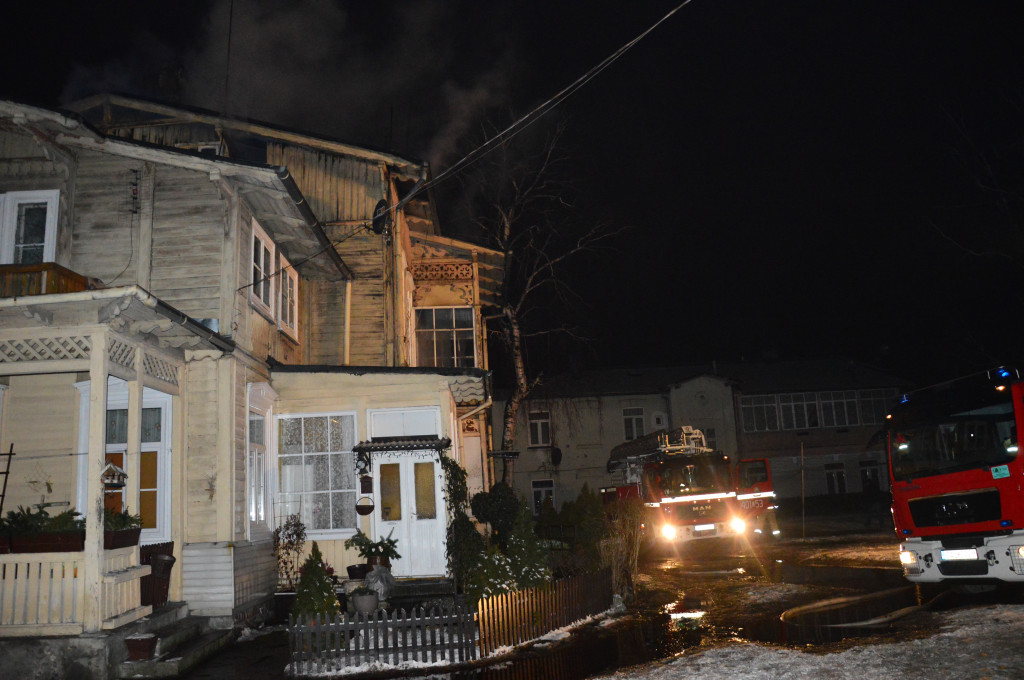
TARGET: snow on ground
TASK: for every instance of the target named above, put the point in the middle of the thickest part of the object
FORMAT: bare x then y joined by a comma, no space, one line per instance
765,593
979,642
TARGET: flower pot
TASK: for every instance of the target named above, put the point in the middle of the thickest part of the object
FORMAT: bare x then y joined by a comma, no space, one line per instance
374,560
121,538
357,572
141,647
365,604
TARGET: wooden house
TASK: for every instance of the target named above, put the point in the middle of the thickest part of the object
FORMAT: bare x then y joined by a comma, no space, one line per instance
211,305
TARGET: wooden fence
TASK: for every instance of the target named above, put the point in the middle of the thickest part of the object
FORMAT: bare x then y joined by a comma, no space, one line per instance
452,634
513,618
326,644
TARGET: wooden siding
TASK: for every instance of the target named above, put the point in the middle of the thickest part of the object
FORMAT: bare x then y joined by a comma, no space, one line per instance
106,230
325,322
255,572
337,187
201,462
365,255
189,220
40,418
207,578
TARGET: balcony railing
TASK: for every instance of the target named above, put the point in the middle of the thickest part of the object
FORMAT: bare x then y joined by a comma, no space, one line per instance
18,280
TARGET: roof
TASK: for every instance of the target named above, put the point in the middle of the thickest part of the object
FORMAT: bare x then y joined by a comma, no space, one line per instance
271,193
413,443
747,377
116,110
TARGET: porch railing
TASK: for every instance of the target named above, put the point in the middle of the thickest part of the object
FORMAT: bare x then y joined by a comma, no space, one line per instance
43,593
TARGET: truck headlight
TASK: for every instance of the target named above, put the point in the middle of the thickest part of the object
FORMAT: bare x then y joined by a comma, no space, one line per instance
737,525
668,532
908,558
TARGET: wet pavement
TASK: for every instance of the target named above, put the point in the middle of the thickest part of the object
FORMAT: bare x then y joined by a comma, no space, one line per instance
707,595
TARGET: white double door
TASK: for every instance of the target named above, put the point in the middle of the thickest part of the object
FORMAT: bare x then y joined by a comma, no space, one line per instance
408,505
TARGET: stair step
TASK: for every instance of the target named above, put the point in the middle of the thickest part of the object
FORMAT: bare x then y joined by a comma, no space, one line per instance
177,635
176,662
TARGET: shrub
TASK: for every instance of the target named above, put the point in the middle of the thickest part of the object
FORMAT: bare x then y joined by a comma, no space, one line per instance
385,547
289,539
315,593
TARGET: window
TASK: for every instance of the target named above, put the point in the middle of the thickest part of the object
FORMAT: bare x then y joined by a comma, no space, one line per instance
874,404
760,413
257,473
154,463
543,492
633,422
28,226
799,411
316,470
445,337
839,409
835,478
288,310
540,428
262,290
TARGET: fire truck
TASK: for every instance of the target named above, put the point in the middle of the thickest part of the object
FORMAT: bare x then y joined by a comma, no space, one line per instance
956,480
692,492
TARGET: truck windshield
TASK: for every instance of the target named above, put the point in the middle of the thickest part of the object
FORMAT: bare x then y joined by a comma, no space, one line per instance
940,443
690,475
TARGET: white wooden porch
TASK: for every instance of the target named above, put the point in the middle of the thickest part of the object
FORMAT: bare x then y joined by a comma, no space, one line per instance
44,593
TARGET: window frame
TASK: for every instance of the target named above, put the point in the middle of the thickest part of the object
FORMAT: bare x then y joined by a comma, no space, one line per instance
765,405
289,282
539,435
305,508
538,487
434,331
633,423
265,269
9,202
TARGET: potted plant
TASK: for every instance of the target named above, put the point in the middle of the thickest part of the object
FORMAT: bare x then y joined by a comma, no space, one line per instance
31,531
364,600
375,552
120,529
289,540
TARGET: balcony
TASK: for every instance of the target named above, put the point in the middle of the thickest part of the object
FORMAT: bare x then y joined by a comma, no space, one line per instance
48,278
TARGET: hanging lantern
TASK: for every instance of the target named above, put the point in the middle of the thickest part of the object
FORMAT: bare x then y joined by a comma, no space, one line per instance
113,477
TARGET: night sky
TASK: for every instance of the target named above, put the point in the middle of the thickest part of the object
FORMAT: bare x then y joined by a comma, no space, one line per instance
798,179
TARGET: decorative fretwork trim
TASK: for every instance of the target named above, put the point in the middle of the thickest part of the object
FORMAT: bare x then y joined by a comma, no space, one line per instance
442,271
45,348
155,367
121,353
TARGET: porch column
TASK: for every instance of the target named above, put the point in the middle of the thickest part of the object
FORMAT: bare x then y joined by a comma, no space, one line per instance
133,452
98,366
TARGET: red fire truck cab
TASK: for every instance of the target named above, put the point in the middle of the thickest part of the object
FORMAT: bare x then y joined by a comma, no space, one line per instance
691,492
956,479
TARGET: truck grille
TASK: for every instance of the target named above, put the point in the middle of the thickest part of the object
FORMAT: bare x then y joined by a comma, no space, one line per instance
960,508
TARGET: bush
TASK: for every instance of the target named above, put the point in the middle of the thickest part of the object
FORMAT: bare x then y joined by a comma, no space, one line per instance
315,593
497,507
289,539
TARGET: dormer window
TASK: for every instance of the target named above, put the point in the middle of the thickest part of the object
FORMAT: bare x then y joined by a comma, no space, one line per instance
28,226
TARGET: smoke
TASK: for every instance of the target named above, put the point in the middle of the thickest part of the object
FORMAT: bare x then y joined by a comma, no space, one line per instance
409,77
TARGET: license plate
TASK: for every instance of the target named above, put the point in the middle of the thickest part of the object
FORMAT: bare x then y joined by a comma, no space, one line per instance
704,527
965,554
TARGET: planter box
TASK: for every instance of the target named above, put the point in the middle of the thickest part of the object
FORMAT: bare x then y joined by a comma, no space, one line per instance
65,541
122,538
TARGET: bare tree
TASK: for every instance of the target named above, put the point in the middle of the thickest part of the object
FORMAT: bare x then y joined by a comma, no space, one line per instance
522,205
